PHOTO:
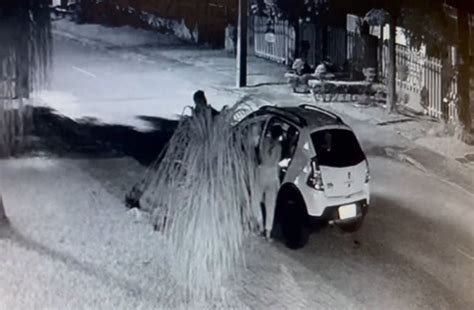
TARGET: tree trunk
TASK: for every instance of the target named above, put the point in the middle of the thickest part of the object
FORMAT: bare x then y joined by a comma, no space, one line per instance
380,55
242,28
392,68
464,68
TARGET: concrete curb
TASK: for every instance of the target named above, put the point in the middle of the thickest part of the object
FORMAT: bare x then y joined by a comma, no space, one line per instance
412,161
401,156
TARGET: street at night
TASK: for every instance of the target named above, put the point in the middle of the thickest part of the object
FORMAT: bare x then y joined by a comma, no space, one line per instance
117,97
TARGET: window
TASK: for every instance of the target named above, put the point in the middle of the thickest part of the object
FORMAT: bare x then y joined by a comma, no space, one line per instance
290,142
252,128
337,148
288,139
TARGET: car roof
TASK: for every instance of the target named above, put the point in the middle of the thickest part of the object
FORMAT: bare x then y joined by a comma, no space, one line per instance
304,115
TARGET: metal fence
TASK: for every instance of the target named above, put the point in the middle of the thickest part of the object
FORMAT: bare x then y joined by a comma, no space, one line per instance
337,45
422,82
422,78
274,40
353,43
335,42
8,80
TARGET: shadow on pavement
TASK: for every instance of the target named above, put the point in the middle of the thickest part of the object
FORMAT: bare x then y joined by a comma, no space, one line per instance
65,137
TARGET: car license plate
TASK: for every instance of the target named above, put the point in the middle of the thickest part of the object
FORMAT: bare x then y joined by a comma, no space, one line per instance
348,211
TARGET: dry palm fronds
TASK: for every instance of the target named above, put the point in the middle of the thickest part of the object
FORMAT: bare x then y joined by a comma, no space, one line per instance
202,196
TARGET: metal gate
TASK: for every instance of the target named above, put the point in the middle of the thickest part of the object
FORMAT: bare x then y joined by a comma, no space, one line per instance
274,40
420,83
336,44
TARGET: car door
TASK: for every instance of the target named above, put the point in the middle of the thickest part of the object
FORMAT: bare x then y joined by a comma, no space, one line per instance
271,121
253,127
288,144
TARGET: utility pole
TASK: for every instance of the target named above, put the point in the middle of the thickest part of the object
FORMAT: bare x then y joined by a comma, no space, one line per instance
242,29
392,67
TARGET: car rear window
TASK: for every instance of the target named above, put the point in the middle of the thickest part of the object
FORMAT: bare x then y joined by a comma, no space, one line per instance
337,148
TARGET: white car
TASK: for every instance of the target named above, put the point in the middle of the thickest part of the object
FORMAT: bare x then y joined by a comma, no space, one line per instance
324,172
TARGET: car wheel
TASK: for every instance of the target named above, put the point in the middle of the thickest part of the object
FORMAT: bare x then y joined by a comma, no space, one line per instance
352,226
292,219
317,223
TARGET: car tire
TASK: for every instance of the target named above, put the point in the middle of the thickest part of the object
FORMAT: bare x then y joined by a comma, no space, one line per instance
292,218
318,223
353,226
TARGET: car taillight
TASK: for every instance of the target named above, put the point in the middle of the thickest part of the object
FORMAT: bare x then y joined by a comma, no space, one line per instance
315,179
367,171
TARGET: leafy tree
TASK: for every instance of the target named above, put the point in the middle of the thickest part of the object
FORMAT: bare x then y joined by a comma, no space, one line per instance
293,10
426,22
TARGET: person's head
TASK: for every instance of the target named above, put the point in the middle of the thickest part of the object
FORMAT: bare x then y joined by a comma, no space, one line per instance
292,133
328,142
276,131
298,65
200,100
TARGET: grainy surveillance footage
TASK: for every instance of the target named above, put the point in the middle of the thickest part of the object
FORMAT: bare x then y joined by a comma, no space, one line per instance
236,154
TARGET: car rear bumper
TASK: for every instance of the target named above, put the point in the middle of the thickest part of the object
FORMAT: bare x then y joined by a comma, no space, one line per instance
331,214
318,205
